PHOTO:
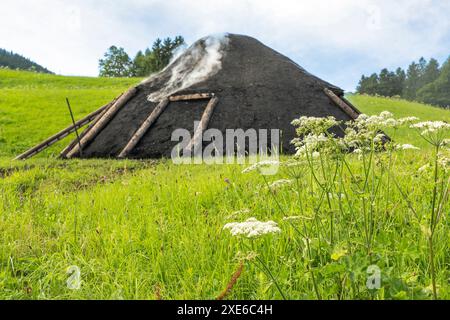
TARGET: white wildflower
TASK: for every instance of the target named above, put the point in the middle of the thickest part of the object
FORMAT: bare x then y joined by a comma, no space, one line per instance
238,213
379,138
444,162
390,123
313,125
405,120
261,165
280,183
386,114
252,228
293,163
384,119
249,256
428,127
336,195
406,147
423,168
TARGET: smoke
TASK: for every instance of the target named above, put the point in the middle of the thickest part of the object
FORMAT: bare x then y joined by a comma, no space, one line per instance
199,62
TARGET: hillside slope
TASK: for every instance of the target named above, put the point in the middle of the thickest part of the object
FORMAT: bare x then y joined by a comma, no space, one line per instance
33,107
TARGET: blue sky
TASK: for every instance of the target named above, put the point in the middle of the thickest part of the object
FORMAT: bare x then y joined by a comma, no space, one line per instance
336,40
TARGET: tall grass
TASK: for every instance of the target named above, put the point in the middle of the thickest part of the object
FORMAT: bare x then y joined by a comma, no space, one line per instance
154,230
353,200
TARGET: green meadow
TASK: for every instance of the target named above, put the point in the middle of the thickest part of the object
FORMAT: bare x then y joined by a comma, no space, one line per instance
128,229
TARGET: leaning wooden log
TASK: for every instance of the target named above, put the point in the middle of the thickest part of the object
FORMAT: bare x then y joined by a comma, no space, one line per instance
69,147
341,104
144,127
195,96
198,134
351,105
60,135
103,121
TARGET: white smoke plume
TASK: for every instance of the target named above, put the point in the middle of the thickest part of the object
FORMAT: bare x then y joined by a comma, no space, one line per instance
199,62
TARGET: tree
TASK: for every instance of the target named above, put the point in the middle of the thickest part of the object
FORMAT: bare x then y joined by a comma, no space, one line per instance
438,91
116,63
430,73
423,81
139,64
412,82
400,77
156,58
387,82
368,85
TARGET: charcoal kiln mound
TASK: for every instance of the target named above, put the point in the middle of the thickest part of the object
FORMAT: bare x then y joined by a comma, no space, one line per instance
253,87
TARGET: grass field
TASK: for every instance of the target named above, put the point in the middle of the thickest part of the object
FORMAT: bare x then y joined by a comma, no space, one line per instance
154,230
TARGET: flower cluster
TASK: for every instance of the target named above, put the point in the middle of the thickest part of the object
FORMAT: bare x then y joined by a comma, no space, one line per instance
433,131
428,127
361,135
266,164
252,228
238,213
280,183
444,161
406,146
314,125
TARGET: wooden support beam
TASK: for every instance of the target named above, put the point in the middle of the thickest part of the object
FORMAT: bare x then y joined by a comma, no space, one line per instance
198,134
103,121
351,105
341,104
60,135
144,127
195,96
69,147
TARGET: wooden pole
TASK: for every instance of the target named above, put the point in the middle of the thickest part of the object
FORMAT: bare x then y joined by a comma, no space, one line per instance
351,105
103,121
340,103
69,147
144,127
198,134
195,96
60,135
73,122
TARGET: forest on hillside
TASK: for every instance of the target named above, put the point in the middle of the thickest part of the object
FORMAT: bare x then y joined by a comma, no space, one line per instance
11,60
423,81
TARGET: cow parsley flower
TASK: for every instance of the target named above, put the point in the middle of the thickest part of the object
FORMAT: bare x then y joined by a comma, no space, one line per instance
238,213
444,162
280,183
252,228
261,165
428,127
314,125
406,147
406,120
424,168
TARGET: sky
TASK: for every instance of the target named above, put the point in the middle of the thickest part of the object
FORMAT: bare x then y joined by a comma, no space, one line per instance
335,40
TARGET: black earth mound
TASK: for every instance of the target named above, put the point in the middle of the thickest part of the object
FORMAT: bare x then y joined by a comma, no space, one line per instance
257,88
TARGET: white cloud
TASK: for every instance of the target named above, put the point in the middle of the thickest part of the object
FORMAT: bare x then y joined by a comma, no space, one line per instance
339,40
